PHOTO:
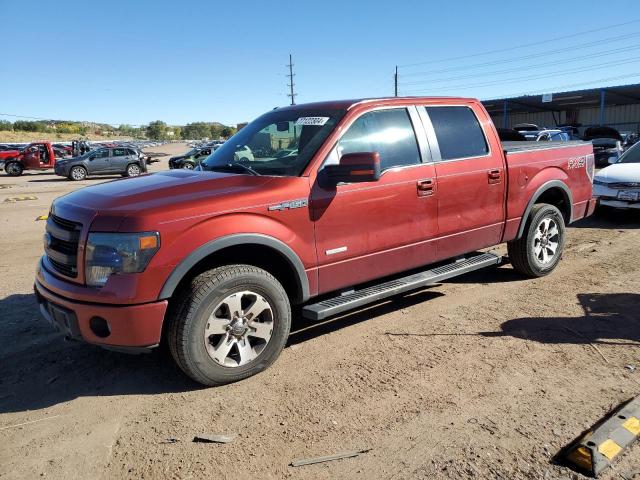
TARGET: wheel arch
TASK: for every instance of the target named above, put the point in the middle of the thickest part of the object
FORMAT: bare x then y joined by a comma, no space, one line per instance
260,250
553,192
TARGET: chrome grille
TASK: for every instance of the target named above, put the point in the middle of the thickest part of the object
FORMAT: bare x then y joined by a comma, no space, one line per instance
61,245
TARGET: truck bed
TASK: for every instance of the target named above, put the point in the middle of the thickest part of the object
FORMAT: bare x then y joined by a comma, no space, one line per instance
517,147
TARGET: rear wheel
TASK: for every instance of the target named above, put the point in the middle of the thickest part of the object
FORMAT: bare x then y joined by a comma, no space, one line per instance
538,251
13,169
188,166
78,173
230,323
133,170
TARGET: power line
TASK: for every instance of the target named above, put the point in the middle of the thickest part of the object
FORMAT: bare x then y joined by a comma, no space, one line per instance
291,84
569,85
526,67
517,47
532,77
545,53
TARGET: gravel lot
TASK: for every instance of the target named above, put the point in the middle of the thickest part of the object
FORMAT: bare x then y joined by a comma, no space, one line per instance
485,376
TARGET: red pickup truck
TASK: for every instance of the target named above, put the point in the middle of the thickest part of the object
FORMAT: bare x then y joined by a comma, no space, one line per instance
35,156
330,206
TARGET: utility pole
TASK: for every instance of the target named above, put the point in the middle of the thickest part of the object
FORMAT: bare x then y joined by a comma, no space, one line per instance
395,82
291,84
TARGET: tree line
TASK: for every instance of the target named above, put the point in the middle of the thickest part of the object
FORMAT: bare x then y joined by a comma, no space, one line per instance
157,130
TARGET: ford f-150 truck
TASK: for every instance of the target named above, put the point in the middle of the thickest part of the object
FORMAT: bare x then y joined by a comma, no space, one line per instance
381,197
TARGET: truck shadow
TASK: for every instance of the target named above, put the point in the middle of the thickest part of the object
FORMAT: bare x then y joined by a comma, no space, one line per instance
610,218
39,369
303,329
608,318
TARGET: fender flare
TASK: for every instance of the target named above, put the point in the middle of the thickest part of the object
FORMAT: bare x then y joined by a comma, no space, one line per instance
213,246
568,197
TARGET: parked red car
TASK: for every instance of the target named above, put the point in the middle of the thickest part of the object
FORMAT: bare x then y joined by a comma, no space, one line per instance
212,260
35,156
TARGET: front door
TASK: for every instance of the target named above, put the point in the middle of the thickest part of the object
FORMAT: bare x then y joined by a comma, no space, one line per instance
370,230
471,175
31,157
99,161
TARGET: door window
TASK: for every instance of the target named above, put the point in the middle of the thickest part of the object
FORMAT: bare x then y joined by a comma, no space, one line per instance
104,153
458,132
119,152
388,132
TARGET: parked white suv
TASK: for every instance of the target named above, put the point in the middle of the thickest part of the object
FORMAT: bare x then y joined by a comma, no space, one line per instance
618,185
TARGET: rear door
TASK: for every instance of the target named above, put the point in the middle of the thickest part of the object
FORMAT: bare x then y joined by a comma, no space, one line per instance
470,175
370,230
120,158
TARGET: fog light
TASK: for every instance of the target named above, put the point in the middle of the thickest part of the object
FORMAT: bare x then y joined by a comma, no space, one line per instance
100,327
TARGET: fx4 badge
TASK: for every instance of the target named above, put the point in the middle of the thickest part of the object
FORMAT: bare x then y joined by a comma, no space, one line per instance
291,204
577,162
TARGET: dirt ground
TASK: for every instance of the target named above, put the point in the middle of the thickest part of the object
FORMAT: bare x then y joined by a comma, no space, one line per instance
484,376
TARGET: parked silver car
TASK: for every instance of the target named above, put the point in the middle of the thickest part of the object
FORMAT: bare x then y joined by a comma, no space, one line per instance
125,161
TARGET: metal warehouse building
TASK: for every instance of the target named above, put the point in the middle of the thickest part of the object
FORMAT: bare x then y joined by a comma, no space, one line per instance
618,107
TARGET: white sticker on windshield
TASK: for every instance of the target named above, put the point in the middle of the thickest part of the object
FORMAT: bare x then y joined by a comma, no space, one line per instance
316,121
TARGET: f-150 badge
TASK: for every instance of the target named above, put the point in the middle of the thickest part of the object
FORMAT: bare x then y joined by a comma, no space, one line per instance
290,204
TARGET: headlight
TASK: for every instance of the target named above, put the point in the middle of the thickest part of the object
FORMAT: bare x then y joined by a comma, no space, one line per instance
109,253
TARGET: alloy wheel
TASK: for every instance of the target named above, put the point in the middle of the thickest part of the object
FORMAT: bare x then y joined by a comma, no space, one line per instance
546,240
239,329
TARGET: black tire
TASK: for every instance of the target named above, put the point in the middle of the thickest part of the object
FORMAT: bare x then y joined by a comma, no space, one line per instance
133,170
13,169
190,314
188,166
522,252
77,173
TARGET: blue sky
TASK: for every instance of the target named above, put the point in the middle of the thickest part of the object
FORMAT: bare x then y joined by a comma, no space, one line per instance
184,61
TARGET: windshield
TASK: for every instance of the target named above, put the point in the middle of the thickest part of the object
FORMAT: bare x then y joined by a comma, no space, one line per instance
279,143
632,155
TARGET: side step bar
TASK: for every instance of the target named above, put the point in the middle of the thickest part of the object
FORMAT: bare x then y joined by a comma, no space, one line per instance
358,298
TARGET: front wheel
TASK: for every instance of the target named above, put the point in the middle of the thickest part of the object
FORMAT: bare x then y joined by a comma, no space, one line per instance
229,324
13,169
188,166
538,252
78,173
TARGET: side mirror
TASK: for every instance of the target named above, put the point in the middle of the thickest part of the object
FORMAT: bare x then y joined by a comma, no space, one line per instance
612,160
353,168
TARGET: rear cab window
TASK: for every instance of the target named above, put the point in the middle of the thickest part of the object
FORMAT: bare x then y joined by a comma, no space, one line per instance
458,132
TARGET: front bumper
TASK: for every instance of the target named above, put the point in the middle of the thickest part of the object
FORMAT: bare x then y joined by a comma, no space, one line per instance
610,202
134,327
61,170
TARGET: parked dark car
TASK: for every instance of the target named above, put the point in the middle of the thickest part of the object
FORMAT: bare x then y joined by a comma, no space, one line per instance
128,162
510,135
607,143
190,159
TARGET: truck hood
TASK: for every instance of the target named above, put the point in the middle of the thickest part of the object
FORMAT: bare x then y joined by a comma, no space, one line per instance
8,154
160,191
619,173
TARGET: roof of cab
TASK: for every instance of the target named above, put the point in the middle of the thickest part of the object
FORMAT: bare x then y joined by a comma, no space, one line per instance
347,104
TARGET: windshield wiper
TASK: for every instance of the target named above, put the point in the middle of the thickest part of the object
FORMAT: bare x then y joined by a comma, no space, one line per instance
234,166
